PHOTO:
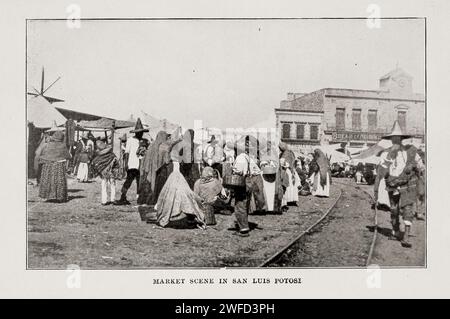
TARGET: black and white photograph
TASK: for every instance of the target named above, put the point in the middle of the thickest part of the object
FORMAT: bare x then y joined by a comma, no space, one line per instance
226,158
212,143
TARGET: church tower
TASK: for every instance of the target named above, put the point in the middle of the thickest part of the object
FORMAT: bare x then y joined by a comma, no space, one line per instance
397,82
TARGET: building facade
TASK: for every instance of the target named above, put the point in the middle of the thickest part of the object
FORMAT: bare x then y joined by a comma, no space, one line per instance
353,117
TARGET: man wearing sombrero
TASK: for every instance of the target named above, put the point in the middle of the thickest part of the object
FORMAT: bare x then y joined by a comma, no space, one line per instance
133,161
403,165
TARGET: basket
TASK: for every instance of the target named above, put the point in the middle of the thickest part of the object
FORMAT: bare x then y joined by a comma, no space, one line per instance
234,181
210,219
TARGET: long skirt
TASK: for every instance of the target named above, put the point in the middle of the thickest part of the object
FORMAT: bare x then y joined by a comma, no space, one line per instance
291,194
177,200
318,189
162,174
53,184
255,185
269,192
83,172
273,192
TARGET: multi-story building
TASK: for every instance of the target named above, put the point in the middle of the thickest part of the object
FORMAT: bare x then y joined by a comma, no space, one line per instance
353,117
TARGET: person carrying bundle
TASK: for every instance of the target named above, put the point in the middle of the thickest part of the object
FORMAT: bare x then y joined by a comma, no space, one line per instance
106,165
404,165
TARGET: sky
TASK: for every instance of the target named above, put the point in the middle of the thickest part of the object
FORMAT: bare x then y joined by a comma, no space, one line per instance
227,73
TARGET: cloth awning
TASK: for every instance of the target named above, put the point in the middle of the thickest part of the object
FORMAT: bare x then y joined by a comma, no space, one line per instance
105,123
43,114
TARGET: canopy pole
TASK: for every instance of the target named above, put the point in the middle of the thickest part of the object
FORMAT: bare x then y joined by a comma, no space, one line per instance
112,138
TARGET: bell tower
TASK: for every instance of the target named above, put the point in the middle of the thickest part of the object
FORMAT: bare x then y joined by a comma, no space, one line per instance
397,81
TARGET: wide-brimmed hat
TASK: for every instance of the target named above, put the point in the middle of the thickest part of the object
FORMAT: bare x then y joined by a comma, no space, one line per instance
139,128
396,131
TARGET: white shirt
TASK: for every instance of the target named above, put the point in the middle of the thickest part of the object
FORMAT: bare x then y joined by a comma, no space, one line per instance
241,165
131,149
397,165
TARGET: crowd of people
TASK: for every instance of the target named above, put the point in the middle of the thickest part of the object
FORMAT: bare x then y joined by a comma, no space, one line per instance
179,179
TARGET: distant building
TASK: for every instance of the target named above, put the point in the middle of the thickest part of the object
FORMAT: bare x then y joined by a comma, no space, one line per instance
353,117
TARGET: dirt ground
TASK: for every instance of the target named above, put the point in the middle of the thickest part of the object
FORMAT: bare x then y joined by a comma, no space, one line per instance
390,253
342,240
84,233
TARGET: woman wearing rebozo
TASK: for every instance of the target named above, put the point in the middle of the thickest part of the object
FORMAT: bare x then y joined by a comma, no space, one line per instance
54,156
321,174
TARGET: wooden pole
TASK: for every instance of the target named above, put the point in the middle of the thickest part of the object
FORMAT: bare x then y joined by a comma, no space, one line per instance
112,139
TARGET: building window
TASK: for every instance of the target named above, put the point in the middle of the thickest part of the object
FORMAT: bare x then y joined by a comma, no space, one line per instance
286,130
356,119
300,131
314,132
401,117
372,118
340,119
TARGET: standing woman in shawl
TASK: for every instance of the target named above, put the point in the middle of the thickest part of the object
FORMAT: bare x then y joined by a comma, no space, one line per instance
37,163
53,183
185,152
150,165
287,158
321,174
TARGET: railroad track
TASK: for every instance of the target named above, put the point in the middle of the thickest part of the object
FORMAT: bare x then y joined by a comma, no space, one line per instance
375,222
280,253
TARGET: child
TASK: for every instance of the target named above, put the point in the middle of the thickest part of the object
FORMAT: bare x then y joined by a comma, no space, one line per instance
84,158
106,165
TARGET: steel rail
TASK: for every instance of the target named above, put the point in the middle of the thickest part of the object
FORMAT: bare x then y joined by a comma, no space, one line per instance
273,258
276,256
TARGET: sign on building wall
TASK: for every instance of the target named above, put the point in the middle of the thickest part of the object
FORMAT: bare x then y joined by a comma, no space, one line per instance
355,136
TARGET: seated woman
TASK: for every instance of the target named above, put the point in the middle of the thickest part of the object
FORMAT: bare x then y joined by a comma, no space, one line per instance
210,190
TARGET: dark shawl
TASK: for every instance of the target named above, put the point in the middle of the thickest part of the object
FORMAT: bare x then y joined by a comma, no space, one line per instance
102,160
184,150
323,165
289,157
153,159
